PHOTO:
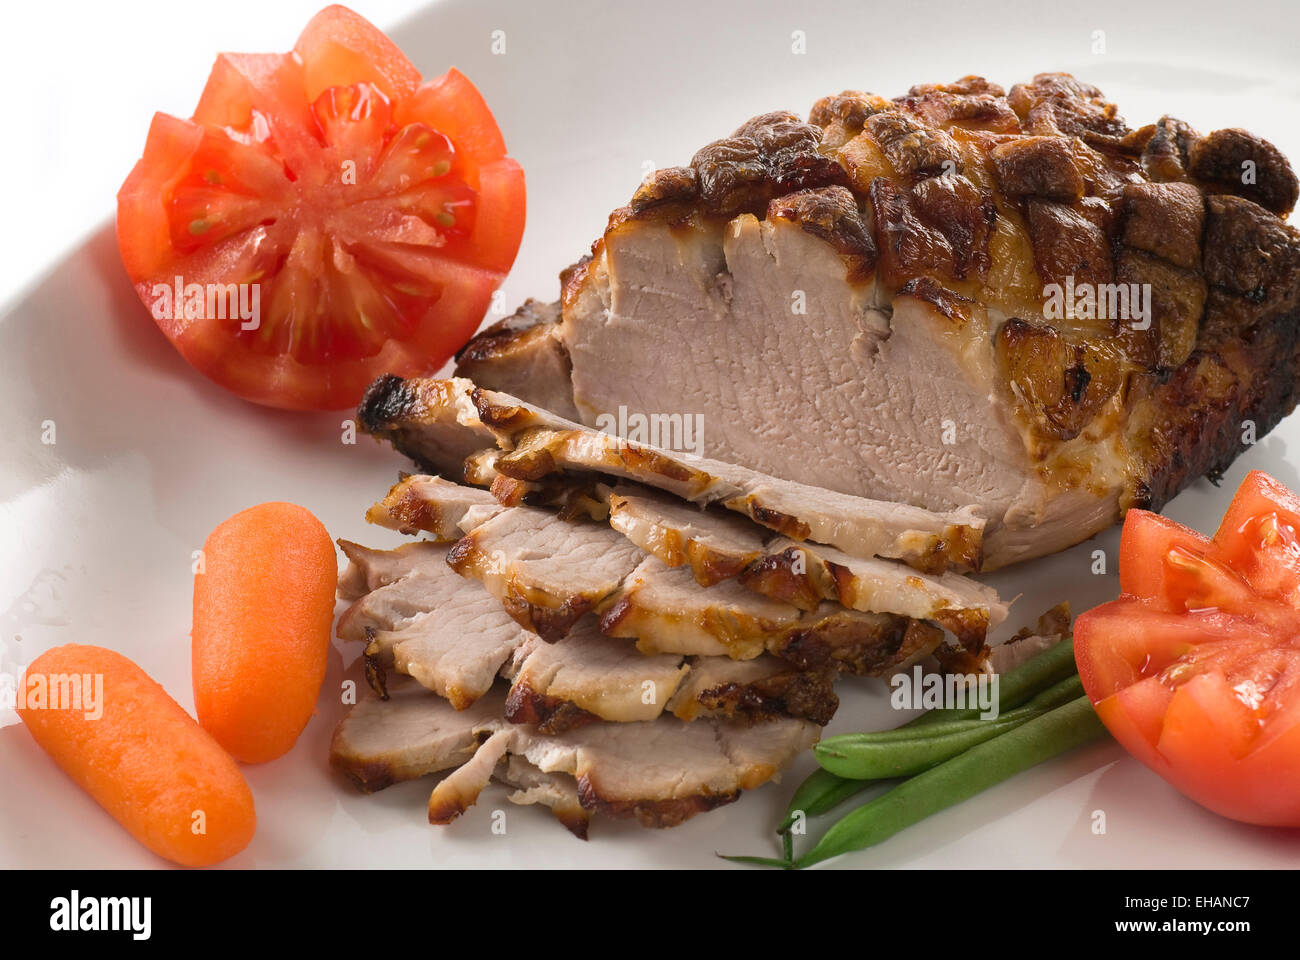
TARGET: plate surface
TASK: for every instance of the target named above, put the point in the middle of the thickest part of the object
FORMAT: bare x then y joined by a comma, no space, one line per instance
97,529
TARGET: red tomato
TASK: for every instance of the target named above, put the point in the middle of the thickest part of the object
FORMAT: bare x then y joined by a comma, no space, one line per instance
325,217
1195,669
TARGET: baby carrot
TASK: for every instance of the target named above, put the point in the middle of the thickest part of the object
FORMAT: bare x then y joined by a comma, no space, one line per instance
138,753
263,604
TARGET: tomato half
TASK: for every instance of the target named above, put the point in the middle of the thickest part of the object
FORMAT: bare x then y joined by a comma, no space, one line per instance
325,217
1195,669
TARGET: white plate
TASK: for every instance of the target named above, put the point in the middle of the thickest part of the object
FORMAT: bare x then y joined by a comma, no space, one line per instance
97,529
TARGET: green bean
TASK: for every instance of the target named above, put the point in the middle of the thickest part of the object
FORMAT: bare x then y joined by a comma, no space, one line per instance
1063,691
760,861
904,758
959,778
866,756
821,792
1015,686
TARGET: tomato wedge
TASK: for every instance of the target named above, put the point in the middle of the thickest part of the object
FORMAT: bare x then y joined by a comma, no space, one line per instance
1259,537
325,217
1195,669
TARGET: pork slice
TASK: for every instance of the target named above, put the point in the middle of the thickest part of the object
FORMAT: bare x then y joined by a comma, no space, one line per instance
433,505
388,607
436,438
805,574
368,568
409,734
588,676
455,638
393,588
414,734
660,772
755,690
547,572
715,546
667,611
456,649
539,443
559,791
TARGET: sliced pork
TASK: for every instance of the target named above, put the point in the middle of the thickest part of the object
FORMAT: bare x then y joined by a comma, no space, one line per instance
546,571
715,546
407,735
806,574
660,773
538,444
588,676
401,584
432,505
412,734
457,648
456,639
369,569
667,611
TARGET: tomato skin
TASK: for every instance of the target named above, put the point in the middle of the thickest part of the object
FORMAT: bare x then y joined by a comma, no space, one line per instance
1195,670
375,213
340,48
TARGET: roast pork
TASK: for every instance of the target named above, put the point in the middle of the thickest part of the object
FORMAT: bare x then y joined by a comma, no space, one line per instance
960,296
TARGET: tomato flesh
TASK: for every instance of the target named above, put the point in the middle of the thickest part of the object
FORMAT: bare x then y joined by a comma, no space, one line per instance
1195,669
1260,536
364,215
1144,537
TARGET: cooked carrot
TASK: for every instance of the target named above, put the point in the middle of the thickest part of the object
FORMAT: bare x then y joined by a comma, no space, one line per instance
263,604
138,753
